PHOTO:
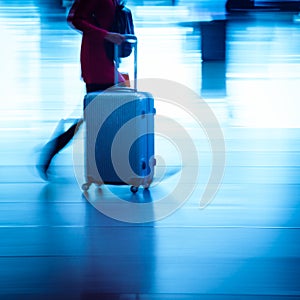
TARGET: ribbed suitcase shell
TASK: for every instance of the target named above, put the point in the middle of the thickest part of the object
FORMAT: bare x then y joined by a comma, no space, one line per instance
120,116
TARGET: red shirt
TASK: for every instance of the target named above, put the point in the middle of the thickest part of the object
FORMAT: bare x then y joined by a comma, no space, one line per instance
94,18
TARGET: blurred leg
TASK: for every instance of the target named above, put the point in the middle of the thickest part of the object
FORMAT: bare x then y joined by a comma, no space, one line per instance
54,146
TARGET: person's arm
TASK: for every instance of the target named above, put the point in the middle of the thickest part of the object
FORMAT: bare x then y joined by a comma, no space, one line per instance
79,18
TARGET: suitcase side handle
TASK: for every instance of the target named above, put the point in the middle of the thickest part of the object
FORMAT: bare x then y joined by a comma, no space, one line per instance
130,38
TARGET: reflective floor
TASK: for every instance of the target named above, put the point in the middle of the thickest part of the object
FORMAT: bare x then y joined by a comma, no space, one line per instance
55,244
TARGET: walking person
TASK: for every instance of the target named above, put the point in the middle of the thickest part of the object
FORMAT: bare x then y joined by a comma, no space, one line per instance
92,18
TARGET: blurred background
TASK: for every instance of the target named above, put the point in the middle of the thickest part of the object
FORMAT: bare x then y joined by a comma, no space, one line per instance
242,58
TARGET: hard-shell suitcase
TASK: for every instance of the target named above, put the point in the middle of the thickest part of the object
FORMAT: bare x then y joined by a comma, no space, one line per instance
119,141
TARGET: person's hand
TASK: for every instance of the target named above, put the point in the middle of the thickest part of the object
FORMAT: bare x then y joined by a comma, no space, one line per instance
115,38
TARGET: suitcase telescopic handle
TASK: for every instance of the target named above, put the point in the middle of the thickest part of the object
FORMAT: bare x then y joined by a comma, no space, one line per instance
129,38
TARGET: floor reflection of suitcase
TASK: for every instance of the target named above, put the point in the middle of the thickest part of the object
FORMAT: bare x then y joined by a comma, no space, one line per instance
119,142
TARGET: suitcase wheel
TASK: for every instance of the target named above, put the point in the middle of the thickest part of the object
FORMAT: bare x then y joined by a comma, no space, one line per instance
134,189
85,186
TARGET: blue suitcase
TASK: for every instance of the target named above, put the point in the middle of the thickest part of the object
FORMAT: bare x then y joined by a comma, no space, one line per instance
119,136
